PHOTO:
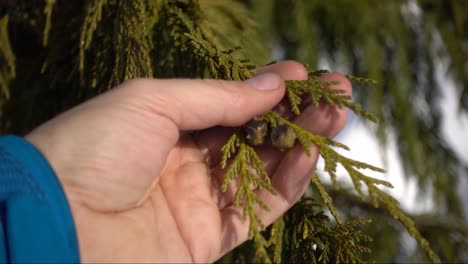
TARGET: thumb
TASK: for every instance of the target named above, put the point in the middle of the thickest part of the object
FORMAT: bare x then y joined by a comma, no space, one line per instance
199,104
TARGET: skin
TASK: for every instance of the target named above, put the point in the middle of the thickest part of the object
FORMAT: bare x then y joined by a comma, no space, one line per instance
142,190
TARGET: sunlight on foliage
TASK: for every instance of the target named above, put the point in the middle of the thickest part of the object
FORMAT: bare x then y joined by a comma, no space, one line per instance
90,23
247,165
318,93
109,41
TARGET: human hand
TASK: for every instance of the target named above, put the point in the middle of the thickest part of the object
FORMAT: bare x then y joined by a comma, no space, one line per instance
142,190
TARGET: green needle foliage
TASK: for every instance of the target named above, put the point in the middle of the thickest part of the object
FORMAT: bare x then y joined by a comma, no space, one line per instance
247,166
7,59
55,54
245,162
315,240
401,45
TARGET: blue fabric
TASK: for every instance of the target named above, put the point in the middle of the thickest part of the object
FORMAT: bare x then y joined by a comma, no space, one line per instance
36,220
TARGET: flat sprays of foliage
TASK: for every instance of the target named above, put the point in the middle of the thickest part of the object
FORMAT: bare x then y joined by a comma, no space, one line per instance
55,54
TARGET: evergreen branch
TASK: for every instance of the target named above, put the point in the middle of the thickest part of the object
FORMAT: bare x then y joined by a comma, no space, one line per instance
347,251
276,239
306,138
229,148
326,197
317,73
49,7
321,242
195,46
315,88
440,228
244,166
218,61
332,158
397,213
91,20
362,165
271,62
378,196
261,245
133,42
221,20
194,50
357,109
7,58
249,168
361,80
294,98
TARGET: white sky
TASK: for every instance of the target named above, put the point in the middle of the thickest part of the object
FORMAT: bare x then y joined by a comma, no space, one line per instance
365,147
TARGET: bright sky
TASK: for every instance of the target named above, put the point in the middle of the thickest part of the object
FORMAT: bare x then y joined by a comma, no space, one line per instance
365,147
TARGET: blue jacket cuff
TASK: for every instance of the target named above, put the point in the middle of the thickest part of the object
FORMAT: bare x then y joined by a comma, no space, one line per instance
38,224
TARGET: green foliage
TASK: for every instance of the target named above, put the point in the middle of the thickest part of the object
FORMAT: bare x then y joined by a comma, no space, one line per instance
305,234
314,88
7,59
246,165
384,230
131,35
48,9
247,159
327,199
90,23
275,242
134,40
195,42
397,44
44,71
340,243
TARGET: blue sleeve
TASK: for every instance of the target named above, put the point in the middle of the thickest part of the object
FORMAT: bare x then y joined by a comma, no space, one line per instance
36,223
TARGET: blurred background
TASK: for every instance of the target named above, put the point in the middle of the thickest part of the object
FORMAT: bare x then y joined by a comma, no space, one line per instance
417,50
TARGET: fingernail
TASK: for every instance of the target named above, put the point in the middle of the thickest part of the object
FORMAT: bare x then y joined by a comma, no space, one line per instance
265,82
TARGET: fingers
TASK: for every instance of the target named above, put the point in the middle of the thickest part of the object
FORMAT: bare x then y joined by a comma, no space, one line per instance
212,140
199,104
291,171
325,120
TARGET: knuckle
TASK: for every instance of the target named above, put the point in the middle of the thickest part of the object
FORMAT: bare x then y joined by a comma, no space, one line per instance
232,96
230,92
